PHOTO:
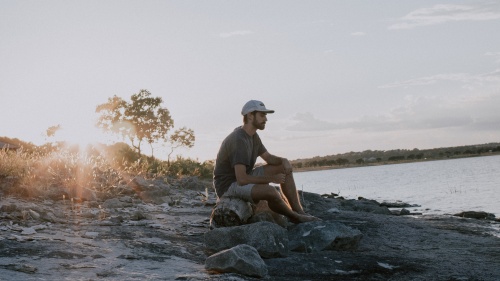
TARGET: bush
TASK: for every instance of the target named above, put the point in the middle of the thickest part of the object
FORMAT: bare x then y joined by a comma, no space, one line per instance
188,167
99,168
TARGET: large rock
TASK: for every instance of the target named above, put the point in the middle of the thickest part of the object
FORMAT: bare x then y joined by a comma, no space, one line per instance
319,236
476,215
268,238
364,205
241,259
315,203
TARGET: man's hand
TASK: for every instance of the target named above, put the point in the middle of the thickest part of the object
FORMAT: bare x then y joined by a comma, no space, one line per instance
279,178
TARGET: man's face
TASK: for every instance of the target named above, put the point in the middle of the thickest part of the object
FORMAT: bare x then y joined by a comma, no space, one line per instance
259,121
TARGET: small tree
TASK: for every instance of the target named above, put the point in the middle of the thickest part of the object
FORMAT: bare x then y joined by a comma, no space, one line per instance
140,120
51,131
182,137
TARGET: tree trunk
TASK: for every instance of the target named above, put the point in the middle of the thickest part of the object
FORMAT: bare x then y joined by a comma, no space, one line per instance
233,212
230,212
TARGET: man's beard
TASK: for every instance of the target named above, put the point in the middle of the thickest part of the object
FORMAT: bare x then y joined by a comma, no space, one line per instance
259,126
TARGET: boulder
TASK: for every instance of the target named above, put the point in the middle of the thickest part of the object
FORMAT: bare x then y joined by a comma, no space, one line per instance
154,196
476,215
191,183
319,236
365,205
140,184
241,259
270,240
114,203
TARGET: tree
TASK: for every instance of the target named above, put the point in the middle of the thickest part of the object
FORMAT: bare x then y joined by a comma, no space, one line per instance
51,131
182,137
142,120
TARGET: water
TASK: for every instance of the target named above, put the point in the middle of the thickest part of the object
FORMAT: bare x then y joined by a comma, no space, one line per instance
440,187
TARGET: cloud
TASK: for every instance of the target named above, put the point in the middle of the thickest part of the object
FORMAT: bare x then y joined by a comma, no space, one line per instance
235,33
468,80
440,14
307,122
495,55
475,113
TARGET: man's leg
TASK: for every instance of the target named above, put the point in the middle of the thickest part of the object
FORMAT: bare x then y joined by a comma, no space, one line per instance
288,188
276,203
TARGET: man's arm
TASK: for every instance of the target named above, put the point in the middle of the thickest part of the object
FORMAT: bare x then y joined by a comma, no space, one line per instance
275,160
243,178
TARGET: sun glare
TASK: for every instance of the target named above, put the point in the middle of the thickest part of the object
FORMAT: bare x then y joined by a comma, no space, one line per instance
83,136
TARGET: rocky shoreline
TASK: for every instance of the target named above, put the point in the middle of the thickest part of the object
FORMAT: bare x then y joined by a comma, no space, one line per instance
157,229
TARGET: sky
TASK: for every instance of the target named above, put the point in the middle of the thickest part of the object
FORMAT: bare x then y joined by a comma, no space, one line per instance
341,75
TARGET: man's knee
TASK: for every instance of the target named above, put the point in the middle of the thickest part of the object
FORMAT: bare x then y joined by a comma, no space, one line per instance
265,192
270,170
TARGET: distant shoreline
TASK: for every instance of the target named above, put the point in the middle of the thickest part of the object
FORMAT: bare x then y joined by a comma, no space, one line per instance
354,165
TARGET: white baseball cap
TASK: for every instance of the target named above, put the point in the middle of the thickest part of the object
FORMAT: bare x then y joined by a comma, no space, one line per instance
255,105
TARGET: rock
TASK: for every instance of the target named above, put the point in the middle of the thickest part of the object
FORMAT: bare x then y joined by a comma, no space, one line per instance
137,216
28,231
397,204
8,208
114,203
319,236
364,205
90,235
476,215
241,259
57,194
161,183
404,212
268,238
34,215
126,199
191,183
25,268
154,196
39,227
140,184
51,217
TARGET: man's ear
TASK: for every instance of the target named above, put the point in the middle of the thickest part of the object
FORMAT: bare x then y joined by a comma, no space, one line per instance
250,116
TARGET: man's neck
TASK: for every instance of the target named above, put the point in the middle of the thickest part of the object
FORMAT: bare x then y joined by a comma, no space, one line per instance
249,129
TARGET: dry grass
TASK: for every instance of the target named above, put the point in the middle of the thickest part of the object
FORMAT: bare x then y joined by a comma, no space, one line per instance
67,170
71,171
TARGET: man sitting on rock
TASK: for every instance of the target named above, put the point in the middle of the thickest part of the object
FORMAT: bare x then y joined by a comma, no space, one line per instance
235,175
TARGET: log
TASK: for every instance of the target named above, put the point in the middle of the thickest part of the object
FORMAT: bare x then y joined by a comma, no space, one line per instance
230,212
233,212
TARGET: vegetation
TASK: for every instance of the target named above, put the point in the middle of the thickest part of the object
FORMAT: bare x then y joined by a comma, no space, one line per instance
142,120
99,168
375,157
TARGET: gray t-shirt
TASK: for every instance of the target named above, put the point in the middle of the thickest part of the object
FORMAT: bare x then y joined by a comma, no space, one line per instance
237,148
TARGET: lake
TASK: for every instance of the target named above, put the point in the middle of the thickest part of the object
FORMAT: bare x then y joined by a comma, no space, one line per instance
439,187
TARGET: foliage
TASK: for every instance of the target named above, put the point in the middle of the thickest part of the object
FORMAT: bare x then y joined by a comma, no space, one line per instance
182,137
51,131
100,168
142,120
396,155
189,167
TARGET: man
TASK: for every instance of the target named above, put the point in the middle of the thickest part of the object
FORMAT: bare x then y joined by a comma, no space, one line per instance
235,176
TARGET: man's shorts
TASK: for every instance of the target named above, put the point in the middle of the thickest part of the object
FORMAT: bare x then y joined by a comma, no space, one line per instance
244,192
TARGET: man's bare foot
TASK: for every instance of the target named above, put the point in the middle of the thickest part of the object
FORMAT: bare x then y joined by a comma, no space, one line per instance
304,218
